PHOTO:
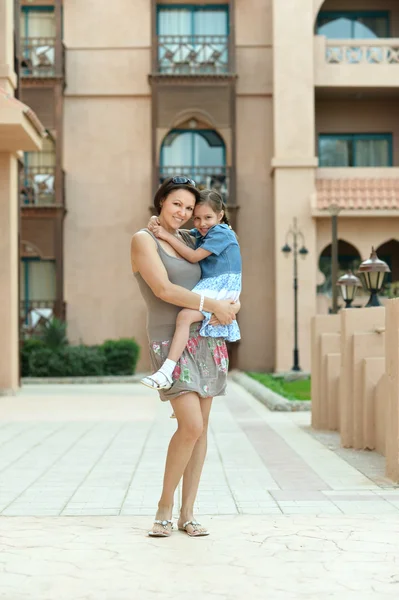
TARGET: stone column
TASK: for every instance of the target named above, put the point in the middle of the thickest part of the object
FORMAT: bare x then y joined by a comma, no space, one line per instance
7,76
9,363
294,166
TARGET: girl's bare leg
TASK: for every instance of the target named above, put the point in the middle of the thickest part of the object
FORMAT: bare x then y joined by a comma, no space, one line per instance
162,379
192,473
187,409
185,319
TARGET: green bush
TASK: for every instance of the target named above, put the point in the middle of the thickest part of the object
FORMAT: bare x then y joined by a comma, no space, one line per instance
53,334
121,356
44,362
29,346
71,361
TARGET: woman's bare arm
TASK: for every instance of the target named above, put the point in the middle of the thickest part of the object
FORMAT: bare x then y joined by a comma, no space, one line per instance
145,259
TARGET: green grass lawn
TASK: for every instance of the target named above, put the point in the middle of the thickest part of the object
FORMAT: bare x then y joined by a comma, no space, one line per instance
292,390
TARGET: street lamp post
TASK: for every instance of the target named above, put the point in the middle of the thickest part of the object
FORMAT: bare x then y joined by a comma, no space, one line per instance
295,234
334,211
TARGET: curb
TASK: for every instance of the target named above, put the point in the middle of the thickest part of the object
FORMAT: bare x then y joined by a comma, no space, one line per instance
271,399
89,379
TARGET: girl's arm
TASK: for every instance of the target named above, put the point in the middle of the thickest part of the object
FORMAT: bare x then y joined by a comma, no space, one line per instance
193,256
145,259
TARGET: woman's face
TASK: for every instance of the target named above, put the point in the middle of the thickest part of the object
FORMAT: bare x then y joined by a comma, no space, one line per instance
177,208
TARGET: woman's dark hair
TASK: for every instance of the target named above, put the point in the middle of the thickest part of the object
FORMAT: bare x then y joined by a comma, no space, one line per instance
167,187
215,201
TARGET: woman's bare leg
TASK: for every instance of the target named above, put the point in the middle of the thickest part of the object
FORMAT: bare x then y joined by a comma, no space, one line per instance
187,409
192,473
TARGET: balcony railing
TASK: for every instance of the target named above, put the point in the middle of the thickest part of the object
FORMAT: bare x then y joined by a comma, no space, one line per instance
218,178
34,313
356,52
37,187
39,58
193,54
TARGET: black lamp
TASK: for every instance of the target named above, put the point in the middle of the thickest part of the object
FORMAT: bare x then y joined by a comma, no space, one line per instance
348,285
372,273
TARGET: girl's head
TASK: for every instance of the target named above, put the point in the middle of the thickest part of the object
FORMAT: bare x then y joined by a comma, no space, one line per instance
210,210
174,201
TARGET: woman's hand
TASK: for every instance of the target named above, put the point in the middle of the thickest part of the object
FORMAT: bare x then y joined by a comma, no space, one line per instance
215,321
225,312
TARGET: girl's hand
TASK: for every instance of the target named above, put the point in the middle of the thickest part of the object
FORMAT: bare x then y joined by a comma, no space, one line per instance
160,232
153,222
225,312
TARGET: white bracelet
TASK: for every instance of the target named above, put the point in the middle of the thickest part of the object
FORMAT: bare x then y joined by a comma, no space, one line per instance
201,306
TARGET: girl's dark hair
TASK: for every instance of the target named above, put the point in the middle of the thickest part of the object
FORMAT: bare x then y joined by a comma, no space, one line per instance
215,201
167,187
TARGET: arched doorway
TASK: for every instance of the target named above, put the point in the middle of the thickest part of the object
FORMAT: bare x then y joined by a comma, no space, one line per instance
199,154
348,258
389,252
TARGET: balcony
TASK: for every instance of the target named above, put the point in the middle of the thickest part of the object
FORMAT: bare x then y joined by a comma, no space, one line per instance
218,178
193,55
41,58
37,187
358,191
353,63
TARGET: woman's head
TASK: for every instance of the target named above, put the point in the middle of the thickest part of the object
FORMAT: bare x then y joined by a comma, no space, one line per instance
175,199
210,210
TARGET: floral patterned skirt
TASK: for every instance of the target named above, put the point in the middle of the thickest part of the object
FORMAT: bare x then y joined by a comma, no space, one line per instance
202,368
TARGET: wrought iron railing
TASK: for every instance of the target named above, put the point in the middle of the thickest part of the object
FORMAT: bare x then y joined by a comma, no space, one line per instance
356,52
38,57
218,178
193,54
34,313
37,186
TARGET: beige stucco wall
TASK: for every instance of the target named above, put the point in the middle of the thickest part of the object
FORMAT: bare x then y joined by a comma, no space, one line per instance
107,159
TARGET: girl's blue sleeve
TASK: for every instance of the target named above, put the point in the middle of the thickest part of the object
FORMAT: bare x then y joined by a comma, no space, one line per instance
218,238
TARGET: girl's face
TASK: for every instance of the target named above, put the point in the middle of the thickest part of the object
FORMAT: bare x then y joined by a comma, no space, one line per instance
177,209
205,218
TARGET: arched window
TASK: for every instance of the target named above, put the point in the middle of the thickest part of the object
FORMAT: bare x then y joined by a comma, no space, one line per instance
389,252
348,258
198,154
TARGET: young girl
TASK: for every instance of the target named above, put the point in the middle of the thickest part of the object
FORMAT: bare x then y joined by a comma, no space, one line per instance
218,252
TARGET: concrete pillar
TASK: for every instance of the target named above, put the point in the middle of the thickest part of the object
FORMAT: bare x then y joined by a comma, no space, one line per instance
294,165
392,374
365,320
373,370
9,363
7,76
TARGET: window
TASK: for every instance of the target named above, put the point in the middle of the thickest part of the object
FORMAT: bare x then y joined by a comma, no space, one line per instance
37,22
193,38
39,175
353,25
192,20
355,150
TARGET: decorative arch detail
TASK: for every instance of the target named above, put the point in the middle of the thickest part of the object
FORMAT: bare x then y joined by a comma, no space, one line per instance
182,119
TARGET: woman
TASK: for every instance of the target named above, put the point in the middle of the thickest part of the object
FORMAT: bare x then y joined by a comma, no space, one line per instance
165,280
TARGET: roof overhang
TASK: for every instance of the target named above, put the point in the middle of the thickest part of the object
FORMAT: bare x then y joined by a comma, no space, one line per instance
20,129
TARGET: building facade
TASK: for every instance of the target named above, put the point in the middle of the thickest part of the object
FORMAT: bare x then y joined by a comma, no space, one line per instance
286,107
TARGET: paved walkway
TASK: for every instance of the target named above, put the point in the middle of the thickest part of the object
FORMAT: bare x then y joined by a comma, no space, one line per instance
80,474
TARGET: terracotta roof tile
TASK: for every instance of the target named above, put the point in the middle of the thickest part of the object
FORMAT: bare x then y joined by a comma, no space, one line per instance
355,194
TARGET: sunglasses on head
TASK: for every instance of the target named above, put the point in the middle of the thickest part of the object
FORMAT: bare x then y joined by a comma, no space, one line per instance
184,180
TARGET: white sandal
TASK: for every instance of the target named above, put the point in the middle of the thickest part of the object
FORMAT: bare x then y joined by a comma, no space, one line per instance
165,532
152,383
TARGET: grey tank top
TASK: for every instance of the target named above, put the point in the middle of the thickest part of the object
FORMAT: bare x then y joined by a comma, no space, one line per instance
161,320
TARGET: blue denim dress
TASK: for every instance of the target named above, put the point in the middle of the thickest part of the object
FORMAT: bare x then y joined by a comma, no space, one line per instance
220,275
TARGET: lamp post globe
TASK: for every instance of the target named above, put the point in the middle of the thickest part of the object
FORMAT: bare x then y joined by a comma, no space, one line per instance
348,285
372,273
